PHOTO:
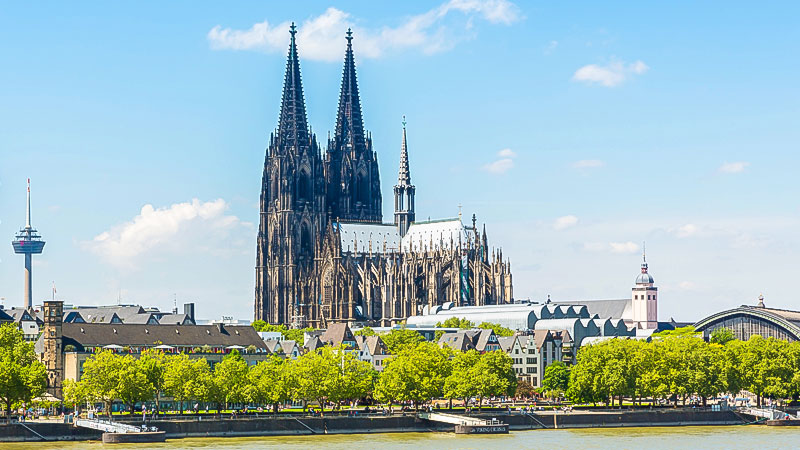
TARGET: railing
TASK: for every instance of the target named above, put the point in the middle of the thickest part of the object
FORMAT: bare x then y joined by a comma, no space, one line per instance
108,426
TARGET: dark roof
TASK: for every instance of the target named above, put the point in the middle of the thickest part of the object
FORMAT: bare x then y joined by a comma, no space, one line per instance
313,344
457,341
138,335
604,309
5,317
175,319
337,334
506,342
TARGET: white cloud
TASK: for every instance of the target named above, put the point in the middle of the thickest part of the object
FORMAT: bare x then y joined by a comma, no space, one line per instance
321,38
588,164
734,167
687,285
613,247
687,230
164,229
565,222
610,75
503,163
500,166
623,247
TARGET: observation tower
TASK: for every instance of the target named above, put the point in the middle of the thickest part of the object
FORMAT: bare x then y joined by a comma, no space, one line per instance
28,242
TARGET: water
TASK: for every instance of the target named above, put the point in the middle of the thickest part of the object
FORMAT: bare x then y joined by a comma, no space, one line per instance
657,438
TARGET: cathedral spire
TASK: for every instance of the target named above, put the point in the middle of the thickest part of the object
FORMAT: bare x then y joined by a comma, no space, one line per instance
404,177
293,125
349,123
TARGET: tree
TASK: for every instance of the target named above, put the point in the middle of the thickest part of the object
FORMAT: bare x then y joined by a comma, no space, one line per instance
399,339
355,378
415,374
456,322
268,382
101,377
556,378
460,383
230,381
132,384
722,336
366,331
153,363
22,376
499,330
313,376
183,378
75,393
524,389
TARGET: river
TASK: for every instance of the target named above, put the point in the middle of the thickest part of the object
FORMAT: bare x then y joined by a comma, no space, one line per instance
656,438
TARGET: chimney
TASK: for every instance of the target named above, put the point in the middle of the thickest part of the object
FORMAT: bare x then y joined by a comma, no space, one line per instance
188,309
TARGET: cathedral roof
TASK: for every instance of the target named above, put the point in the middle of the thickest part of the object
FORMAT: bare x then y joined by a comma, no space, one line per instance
357,237
433,234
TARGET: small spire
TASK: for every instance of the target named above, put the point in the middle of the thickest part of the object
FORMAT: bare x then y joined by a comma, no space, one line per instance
761,301
349,36
404,176
644,259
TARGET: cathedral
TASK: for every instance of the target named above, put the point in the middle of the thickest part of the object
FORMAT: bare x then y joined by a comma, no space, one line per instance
324,254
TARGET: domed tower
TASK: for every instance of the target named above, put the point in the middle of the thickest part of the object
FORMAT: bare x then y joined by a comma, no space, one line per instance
645,299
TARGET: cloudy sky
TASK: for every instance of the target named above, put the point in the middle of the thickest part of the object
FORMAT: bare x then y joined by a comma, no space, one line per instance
575,130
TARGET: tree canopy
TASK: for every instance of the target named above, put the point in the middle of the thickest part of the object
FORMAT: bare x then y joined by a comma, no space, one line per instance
22,376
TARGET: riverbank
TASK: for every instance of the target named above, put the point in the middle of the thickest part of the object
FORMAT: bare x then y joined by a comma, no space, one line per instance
301,425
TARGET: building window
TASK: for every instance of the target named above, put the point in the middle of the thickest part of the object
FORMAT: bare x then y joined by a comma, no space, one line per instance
532,360
531,351
531,370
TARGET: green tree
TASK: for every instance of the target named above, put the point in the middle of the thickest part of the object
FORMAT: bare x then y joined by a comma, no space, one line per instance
22,376
722,336
366,331
269,382
101,377
456,322
183,378
556,378
230,381
153,363
314,375
499,330
132,384
399,339
460,383
416,373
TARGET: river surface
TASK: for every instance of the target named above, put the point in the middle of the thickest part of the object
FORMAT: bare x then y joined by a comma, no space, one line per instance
656,438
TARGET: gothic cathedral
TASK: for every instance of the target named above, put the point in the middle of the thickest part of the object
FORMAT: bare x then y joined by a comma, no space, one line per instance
324,254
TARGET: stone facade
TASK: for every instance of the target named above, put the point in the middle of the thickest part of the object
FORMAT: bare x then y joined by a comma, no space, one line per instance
53,356
323,254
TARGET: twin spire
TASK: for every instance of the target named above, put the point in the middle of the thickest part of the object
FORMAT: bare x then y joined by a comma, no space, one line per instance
293,124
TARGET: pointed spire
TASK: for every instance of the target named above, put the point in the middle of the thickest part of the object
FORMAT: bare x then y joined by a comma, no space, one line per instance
644,259
349,123
404,177
293,125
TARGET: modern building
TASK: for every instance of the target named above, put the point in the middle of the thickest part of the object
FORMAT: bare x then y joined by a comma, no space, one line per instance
324,254
28,242
747,321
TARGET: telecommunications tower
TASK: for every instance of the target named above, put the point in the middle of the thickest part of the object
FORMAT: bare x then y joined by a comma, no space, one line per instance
28,242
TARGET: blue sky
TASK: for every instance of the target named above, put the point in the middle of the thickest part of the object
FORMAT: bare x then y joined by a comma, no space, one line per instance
575,130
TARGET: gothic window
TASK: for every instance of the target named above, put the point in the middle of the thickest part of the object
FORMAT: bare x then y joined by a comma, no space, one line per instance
327,287
305,239
274,188
303,187
362,189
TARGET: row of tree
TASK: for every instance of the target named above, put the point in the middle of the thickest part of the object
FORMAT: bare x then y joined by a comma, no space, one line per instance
419,372
22,376
680,365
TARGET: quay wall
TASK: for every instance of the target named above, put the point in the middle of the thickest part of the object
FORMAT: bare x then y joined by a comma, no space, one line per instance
300,425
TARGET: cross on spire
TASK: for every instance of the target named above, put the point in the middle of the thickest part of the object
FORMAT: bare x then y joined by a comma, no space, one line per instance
292,29
349,35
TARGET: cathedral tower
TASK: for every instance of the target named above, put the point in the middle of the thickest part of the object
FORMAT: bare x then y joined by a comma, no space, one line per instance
351,166
292,206
645,299
404,191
